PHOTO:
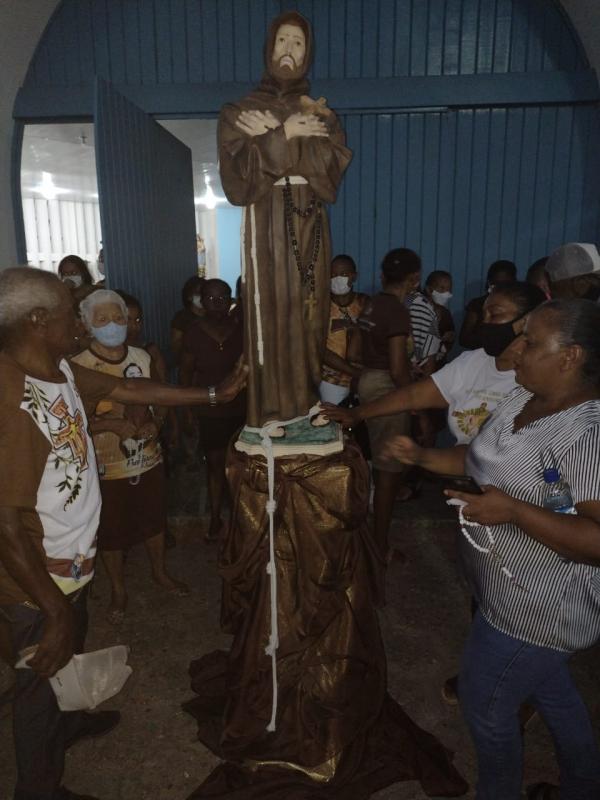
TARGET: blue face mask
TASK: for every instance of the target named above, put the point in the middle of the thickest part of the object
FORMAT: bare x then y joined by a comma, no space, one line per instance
110,335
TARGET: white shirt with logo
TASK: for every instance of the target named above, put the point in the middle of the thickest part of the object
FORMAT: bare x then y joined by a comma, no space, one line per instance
473,387
68,498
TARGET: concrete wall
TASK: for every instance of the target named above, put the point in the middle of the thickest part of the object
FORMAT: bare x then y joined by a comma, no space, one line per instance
22,23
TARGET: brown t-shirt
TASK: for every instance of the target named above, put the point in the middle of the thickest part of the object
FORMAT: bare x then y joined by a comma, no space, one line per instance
48,469
383,318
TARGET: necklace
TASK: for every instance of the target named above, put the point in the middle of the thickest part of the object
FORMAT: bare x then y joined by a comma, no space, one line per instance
307,271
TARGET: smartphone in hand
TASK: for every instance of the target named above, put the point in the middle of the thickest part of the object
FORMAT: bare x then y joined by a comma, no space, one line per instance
460,483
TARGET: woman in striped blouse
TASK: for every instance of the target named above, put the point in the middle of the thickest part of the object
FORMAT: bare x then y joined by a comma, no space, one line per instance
535,573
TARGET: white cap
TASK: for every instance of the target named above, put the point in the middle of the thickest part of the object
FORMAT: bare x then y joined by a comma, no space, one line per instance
572,260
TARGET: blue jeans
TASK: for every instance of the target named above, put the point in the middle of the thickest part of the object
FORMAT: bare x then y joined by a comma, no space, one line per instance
498,674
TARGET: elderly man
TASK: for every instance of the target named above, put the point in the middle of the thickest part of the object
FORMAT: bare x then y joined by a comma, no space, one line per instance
49,509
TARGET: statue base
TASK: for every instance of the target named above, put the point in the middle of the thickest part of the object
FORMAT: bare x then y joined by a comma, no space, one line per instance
299,438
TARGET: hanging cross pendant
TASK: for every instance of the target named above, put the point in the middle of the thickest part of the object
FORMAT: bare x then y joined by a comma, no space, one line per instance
311,304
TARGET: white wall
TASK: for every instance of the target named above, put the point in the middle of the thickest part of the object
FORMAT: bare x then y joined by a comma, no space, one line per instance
22,23
58,228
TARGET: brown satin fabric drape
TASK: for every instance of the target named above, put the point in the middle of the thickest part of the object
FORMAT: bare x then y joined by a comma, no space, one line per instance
338,734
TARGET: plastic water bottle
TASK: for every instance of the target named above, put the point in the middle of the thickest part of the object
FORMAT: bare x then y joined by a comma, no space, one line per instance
558,493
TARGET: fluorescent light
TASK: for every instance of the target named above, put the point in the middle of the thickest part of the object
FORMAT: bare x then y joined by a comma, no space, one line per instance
209,199
47,188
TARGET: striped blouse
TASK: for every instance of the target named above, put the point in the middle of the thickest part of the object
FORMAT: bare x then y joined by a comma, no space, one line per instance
424,326
554,602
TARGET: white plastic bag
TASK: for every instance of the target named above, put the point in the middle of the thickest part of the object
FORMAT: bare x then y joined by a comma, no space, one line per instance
89,678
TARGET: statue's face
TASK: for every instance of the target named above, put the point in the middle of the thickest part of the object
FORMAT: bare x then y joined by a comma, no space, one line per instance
290,48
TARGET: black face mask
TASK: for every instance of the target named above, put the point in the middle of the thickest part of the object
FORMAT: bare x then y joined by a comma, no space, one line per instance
495,337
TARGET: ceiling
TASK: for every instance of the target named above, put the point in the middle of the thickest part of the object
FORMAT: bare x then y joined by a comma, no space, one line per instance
66,152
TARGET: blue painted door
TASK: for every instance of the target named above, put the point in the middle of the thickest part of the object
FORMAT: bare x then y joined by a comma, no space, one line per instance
146,189
465,187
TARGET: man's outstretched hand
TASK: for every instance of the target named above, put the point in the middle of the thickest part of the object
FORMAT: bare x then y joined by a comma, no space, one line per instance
233,384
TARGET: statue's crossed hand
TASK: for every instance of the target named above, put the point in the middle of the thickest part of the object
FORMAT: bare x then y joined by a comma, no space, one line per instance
255,123
304,125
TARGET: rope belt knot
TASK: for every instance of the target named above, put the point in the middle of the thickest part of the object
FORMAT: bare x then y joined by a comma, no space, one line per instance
266,433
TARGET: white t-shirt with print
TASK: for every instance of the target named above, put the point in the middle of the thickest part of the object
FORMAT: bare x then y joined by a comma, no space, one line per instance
68,498
473,387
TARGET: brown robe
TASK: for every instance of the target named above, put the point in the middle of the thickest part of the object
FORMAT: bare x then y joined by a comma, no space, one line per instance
293,321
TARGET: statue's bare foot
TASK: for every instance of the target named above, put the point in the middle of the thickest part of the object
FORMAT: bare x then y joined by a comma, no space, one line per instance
319,420
277,433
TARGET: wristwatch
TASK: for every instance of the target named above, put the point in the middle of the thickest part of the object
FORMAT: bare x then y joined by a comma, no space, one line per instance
212,396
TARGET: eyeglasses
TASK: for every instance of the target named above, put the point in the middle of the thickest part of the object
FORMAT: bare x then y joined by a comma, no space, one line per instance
218,298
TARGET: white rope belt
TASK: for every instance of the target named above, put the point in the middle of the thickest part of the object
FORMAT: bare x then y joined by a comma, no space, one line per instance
243,247
260,343
293,179
266,433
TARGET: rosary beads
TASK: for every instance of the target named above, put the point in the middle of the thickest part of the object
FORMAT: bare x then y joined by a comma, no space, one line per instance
307,271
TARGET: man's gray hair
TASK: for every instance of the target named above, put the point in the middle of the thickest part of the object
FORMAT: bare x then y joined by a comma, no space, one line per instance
99,298
24,288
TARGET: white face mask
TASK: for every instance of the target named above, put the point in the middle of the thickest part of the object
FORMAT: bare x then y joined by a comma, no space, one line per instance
340,285
196,301
441,298
73,280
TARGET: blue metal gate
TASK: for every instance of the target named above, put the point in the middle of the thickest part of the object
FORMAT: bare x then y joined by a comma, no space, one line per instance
146,193
466,187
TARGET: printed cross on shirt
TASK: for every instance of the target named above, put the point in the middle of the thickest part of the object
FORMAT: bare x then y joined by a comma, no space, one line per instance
71,433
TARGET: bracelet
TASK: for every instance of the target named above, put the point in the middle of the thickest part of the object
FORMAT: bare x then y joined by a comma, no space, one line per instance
212,396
